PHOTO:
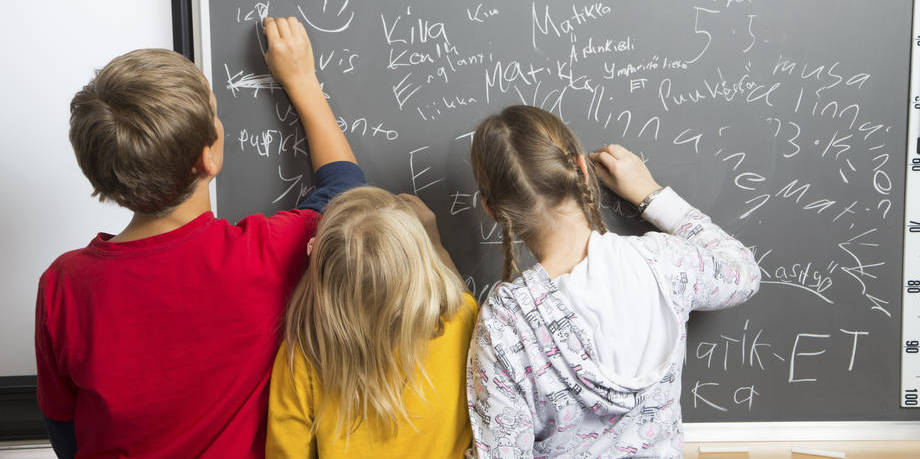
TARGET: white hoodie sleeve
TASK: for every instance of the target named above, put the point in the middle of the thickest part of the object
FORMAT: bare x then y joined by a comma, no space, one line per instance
707,269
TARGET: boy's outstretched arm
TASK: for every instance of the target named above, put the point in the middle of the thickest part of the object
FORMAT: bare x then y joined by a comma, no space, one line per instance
290,57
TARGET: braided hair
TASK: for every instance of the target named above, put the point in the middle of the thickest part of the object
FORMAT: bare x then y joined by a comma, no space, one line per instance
525,160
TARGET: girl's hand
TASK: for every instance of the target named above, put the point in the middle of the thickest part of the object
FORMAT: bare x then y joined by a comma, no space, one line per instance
290,54
430,223
425,215
624,173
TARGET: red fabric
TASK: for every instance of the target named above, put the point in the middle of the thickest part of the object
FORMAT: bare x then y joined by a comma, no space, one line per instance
163,347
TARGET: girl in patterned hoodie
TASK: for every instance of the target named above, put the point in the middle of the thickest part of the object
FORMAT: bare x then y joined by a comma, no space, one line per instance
580,355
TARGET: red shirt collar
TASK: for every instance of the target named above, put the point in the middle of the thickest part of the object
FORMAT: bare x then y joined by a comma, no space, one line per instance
100,244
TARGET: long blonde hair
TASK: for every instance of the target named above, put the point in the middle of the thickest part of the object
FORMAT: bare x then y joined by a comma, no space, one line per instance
376,292
525,161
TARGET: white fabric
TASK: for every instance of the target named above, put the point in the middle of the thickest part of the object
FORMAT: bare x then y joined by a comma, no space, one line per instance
614,289
667,210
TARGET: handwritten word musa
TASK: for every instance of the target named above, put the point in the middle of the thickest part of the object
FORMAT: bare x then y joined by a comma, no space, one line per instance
818,73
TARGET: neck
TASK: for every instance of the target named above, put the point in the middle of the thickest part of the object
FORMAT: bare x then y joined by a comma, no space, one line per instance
144,225
558,250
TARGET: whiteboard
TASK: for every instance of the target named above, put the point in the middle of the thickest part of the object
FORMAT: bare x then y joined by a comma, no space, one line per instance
50,52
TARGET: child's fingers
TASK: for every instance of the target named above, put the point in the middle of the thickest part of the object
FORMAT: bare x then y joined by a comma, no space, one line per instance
412,200
415,203
605,159
271,29
292,23
407,197
284,29
605,177
418,207
298,29
617,151
608,149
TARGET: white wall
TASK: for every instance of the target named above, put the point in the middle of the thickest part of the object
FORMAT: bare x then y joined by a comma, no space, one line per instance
48,52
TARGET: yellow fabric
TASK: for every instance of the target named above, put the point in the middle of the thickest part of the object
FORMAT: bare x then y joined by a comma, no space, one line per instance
442,425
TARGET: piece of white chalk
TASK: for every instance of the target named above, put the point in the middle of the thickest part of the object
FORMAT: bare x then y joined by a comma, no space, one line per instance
724,449
818,452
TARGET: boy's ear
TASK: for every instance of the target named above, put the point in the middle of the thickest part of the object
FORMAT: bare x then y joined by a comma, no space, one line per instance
583,165
208,163
486,208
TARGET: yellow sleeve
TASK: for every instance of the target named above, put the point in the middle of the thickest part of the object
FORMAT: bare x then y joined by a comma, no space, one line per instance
290,410
470,304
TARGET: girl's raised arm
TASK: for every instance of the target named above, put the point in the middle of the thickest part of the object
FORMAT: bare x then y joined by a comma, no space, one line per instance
707,268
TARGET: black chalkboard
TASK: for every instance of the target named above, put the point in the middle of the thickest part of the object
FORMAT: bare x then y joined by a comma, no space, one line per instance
783,120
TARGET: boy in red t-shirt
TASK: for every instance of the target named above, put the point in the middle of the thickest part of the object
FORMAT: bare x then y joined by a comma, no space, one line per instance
159,341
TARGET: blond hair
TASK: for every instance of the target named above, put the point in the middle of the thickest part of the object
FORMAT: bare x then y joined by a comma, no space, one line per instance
376,292
138,128
524,160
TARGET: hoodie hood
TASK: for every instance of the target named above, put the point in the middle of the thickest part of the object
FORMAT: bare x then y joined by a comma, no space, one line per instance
564,338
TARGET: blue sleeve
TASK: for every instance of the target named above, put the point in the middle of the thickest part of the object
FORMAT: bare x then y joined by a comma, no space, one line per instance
63,437
332,180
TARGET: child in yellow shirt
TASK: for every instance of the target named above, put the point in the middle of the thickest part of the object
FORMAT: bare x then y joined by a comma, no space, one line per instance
376,337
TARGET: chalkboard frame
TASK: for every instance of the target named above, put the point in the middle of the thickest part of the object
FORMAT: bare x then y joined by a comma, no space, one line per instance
910,315
20,417
201,49
724,431
183,29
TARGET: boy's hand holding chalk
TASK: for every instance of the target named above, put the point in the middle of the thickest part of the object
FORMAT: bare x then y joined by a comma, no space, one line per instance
290,53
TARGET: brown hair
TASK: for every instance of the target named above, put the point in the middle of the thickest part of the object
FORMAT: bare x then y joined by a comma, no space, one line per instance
524,159
138,129
375,293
